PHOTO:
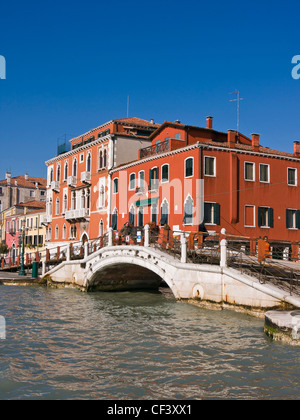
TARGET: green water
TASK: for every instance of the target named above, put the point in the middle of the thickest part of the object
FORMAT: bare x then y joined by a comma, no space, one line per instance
63,344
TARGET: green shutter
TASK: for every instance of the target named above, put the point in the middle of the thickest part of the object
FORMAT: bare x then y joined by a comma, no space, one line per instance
216,214
259,216
298,219
270,218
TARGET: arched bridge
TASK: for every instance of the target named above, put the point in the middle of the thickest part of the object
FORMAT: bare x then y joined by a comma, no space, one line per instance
214,273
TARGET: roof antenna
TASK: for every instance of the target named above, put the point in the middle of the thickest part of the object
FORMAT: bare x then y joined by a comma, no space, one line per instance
238,99
127,106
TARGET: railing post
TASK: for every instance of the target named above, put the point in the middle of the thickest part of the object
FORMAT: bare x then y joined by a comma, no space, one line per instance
223,253
68,252
147,237
183,243
223,249
86,249
43,266
110,236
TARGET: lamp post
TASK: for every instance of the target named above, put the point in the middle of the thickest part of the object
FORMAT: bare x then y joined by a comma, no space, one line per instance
22,246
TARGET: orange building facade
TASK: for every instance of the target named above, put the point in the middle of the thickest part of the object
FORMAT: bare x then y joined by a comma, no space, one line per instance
78,181
132,170
191,175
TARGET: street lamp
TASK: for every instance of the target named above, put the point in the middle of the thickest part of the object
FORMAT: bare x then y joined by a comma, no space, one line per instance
22,246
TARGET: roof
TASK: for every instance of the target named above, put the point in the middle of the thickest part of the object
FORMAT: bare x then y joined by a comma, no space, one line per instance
33,204
30,182
137,121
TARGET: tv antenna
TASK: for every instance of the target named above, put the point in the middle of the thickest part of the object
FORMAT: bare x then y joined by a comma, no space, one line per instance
237,100
127,106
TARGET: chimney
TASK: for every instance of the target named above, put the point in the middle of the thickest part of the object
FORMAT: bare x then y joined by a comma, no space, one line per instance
296,149
231,138
255,142
26,177
209,122
152,121
8,177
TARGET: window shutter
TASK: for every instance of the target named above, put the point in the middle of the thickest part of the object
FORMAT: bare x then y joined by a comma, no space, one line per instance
259,216
287,218
270,218
298,219
216,214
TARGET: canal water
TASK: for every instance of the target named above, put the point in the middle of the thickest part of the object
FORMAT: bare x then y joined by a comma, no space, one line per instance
63,344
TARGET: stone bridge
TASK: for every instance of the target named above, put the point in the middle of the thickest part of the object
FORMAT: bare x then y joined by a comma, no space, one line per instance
124,267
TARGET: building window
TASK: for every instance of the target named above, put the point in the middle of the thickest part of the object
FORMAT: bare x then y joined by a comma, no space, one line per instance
292,176
153,179
265,217
188,211
264,173
131,215
249,171
293,219
65,203
165,173
154,213
249,216
116,186
66,171
177,136
141,180
209,166
101,197
88,163
164,211
105,158
81,157
140,217
114,220
101,228
58,173
189,167
64,232
75,167
212,213
31,193
100,159
57,206
132,181
56,232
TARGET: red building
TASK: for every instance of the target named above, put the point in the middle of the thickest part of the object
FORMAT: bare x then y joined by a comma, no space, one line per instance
192,174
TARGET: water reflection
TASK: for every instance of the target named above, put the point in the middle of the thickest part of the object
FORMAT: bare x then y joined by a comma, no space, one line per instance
136,345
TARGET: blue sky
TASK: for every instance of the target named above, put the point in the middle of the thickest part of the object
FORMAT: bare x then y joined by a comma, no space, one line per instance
71,66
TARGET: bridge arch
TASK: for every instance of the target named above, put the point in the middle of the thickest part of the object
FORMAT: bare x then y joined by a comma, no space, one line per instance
124,272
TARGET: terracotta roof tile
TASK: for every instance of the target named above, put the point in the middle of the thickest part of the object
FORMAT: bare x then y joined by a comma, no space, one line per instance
29,183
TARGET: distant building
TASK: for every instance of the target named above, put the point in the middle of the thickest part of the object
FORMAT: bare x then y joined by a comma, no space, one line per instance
20,189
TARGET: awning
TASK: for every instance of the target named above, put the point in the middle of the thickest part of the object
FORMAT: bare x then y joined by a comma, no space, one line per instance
146,202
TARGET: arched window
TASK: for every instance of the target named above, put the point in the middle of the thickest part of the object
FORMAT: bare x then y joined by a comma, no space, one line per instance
65,203
88,199
188,211
75,167
100,159
88,163
105,159
141,216
164,211
56,232
64,232
50,206
101,197
131,215
66,171
57,206
74,200
58,173
51,175
114,220
101,228
82,204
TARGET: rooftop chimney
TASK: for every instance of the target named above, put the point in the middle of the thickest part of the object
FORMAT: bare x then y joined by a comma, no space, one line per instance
231,134
296,149
178,122
152,121
255,142
8,177
209,122
26,177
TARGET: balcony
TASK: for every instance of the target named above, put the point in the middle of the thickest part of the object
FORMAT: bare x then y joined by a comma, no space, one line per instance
153,186
155,149
71,181
55,186
45,219
140,191
77,215
85,177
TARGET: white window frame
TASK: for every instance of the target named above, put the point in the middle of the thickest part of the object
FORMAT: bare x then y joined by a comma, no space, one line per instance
265,164
254,217
81,158
139,179
287,174
249,180
190,176
115,192
130,188
214,166
161,169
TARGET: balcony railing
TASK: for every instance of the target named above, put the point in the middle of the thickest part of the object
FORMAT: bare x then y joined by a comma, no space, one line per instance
155,149
77,215
71,181
85,177
154,185
55,186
